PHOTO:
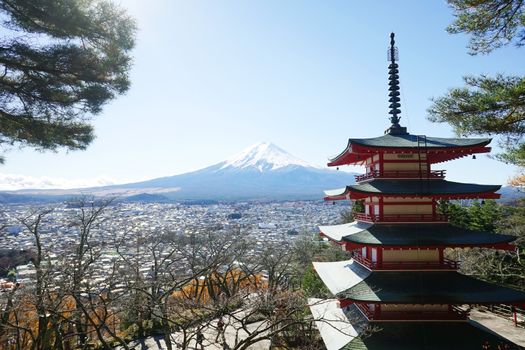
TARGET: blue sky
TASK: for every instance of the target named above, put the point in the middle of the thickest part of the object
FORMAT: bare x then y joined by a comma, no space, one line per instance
213,77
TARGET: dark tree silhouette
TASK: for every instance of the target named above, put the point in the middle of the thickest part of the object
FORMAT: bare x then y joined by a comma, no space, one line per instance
488,105
60,62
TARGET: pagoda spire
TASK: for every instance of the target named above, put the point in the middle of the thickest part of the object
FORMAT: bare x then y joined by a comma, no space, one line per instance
393,83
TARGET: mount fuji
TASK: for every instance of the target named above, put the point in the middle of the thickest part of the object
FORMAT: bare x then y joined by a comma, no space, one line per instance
263,156
261,172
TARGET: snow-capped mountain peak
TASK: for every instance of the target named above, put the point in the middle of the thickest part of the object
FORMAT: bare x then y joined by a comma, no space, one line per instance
264,156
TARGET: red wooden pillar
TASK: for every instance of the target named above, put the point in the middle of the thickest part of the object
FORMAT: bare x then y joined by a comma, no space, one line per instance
380,208
381,168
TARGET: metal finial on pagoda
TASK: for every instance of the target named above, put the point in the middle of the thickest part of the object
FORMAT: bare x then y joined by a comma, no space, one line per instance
393,83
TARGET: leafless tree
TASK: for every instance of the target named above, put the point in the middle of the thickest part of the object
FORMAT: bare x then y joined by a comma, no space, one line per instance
28,319
157,282
172,278
64,308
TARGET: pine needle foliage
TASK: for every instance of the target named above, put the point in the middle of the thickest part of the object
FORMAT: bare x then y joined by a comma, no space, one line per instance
491,23
60,62
488,105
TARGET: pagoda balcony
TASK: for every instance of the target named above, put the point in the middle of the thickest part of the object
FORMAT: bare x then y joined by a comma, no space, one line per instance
454,314
403,174
447,264
421,218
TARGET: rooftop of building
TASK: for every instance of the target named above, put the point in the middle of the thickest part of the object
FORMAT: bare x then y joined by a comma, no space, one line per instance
411,187
429,287
417,234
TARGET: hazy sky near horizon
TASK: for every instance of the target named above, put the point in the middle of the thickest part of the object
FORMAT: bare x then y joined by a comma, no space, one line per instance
213,77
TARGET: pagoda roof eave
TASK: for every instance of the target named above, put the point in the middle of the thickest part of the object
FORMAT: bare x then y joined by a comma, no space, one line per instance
338,232
456,148
413,336
414,188
333,324
419,234
339,276
429,287
340,330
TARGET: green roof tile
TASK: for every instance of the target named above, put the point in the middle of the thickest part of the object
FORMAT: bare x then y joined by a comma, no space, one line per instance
415,187
428,336
411,141
424,235
429,287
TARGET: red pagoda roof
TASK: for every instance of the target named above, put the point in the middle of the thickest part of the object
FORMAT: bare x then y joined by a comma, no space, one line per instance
340,330
419,234
414,188
428,336
437,149
428,287
350,280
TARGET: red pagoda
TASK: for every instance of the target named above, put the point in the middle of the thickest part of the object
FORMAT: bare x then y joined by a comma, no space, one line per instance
398,279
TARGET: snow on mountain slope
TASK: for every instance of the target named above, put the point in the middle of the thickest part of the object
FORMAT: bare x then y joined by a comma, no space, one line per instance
261,172
263,156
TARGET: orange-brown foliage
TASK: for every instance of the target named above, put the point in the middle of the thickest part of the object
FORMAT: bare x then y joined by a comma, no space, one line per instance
518,181
23,321
207,288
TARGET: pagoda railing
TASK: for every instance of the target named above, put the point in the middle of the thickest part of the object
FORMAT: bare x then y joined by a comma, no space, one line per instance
376,315
401,217
447,264
365,310
362,260
401,174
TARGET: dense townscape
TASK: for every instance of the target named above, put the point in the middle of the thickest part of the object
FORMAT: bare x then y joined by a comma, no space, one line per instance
260,223
102,273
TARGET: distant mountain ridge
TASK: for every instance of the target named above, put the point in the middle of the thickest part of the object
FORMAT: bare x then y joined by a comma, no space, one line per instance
261,172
